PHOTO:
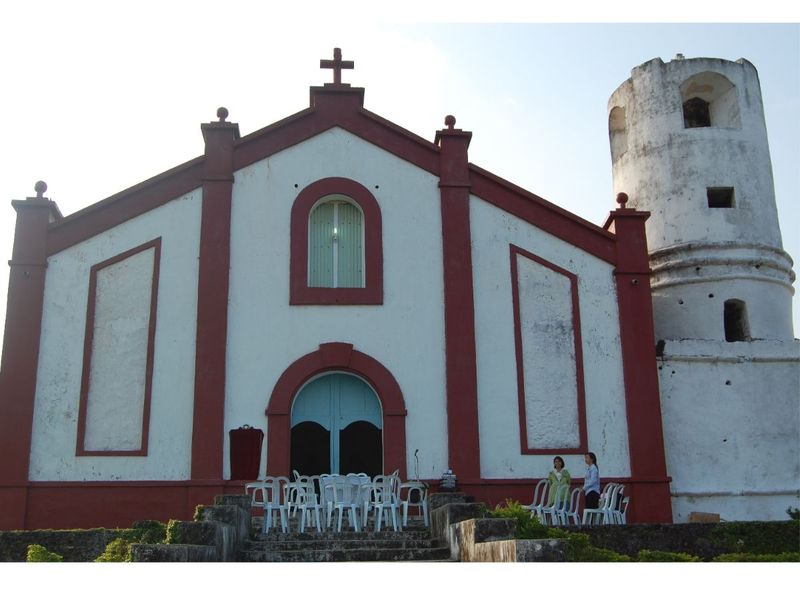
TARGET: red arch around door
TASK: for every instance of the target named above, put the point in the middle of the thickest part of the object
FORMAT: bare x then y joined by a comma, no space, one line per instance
340,357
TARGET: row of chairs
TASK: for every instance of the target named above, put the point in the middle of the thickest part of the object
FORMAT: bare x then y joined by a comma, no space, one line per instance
611,510
333,496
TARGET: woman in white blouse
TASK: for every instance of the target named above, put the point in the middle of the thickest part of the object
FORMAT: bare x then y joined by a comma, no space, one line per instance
591,481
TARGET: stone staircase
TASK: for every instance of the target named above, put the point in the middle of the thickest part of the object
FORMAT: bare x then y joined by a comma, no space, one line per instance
414,543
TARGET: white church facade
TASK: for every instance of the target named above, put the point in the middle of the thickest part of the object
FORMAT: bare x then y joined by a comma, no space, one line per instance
371,300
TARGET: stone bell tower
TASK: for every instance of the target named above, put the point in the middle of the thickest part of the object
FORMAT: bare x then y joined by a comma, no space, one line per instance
689,145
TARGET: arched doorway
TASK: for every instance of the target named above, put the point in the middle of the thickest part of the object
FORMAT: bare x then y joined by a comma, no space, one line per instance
336,427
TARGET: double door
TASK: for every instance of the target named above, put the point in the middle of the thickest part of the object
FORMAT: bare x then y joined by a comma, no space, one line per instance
337,427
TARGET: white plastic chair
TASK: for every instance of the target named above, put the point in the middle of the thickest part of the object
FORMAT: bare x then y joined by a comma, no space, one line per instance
420,490
341,495
618,504
570,509
306,501
268,495
539,498
602,514
621,516
560,499
384,496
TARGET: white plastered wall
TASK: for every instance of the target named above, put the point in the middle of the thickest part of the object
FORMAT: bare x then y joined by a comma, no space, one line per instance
493,230
405,333
55,419
731,419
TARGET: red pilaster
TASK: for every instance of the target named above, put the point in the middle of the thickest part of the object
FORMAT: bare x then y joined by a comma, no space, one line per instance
21,352
212,299
459,307
650,483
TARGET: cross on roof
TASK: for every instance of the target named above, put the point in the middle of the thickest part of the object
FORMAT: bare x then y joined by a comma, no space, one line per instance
337,64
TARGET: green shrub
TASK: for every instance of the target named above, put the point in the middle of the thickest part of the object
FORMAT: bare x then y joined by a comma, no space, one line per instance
149,532
755,537
662,556
172,526
528,526
794,513
580,549
118,550
198,512
37,553
745,557
142,532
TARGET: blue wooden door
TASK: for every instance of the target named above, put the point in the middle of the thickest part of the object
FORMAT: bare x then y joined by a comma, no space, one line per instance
334,403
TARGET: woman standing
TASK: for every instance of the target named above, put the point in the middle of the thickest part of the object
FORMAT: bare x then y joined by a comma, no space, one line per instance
557,478
591,481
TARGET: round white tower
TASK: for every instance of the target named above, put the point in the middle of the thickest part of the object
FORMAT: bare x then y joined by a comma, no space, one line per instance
689,144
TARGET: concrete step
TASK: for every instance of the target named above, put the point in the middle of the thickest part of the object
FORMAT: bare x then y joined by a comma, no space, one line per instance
329,544
334,536
365,554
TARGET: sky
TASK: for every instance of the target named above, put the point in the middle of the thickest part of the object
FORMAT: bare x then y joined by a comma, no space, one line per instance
97,97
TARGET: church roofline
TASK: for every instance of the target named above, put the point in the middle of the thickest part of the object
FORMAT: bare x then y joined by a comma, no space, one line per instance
329,111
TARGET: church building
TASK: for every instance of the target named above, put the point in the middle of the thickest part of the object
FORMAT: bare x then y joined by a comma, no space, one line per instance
373,301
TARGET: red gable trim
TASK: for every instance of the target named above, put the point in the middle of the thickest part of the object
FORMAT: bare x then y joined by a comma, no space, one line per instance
311,122
543,214
124,205
341,112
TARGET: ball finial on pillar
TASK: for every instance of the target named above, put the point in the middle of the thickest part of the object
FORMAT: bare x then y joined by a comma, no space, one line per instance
622,199
450,121
41,188
222,114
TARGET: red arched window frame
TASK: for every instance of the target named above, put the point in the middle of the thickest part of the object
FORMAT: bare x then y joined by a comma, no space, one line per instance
299,290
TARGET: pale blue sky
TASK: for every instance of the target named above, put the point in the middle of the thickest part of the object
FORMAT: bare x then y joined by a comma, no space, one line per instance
97,100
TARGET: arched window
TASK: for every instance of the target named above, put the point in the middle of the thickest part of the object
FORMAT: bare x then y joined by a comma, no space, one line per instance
617,132
336,245
709,100
735,315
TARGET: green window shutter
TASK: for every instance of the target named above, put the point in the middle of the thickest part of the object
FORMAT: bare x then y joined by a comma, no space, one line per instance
349,251
320,246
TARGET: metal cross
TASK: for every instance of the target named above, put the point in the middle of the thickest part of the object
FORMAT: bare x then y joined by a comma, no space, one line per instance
337,64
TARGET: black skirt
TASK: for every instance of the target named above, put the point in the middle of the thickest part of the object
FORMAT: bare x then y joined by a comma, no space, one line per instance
592,499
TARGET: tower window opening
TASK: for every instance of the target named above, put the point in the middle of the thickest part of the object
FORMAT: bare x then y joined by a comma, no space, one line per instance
696,113
736,329
720,197
709,99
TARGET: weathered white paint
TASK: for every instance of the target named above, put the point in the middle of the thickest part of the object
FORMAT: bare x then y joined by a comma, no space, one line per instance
731,427
667,169
61,351
492,232
405,334
730,409
115,403
548,350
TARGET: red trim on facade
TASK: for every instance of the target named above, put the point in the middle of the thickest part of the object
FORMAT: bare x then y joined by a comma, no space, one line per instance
577,340
87,352
21,350
336,357
208,435
299,291
463,435
542,214
125,205
640,374
41,505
